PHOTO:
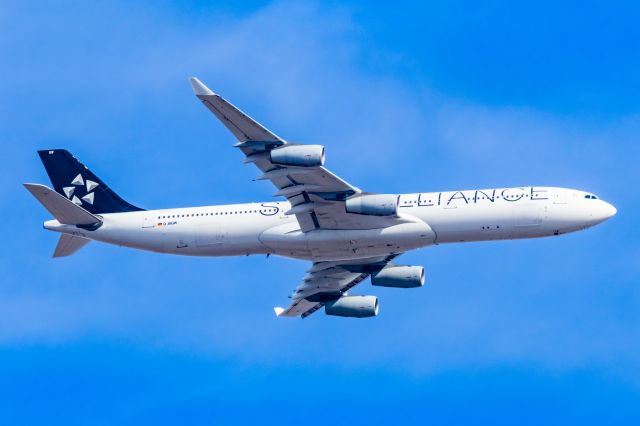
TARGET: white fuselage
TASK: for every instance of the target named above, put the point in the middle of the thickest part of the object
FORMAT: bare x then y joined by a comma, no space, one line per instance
428,218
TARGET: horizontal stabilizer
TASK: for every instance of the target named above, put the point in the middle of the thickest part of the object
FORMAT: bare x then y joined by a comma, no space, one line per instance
63,209
69,244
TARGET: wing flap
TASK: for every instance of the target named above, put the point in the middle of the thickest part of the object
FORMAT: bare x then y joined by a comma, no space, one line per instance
297,308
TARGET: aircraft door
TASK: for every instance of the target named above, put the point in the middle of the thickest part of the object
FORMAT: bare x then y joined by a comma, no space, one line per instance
149,221
559,197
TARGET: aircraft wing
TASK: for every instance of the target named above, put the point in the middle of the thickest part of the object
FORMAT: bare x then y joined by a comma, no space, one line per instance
327,281
316,195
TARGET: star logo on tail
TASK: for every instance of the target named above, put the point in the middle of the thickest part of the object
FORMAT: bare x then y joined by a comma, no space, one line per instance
76,187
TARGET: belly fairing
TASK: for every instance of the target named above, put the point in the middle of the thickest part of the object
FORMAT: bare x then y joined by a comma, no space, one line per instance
327,244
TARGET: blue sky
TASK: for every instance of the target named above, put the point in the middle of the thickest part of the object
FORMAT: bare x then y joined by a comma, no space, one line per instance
435,96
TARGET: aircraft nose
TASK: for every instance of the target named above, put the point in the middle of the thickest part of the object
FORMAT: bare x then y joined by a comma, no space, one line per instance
609,210
602,212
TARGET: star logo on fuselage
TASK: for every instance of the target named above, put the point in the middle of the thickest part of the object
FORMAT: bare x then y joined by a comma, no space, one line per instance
75,188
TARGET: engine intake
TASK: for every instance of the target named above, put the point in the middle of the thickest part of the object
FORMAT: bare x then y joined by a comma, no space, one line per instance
399,276
373,204
353,306
298,155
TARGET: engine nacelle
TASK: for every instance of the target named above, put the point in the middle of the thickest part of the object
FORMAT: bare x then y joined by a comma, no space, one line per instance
399,276
353,306
298,155
373,204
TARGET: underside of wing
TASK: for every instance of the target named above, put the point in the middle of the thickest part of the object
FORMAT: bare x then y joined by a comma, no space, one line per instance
241,125
327,282
318,197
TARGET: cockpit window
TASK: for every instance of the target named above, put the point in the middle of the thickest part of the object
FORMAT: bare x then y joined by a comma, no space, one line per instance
591,197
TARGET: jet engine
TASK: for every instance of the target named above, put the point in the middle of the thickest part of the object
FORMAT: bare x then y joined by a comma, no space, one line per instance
373,204
353,306
399,276
298,155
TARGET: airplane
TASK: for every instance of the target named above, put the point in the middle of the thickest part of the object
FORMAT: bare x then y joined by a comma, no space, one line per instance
348,234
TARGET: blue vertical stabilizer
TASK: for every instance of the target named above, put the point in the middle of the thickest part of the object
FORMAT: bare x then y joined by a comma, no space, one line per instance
75,181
